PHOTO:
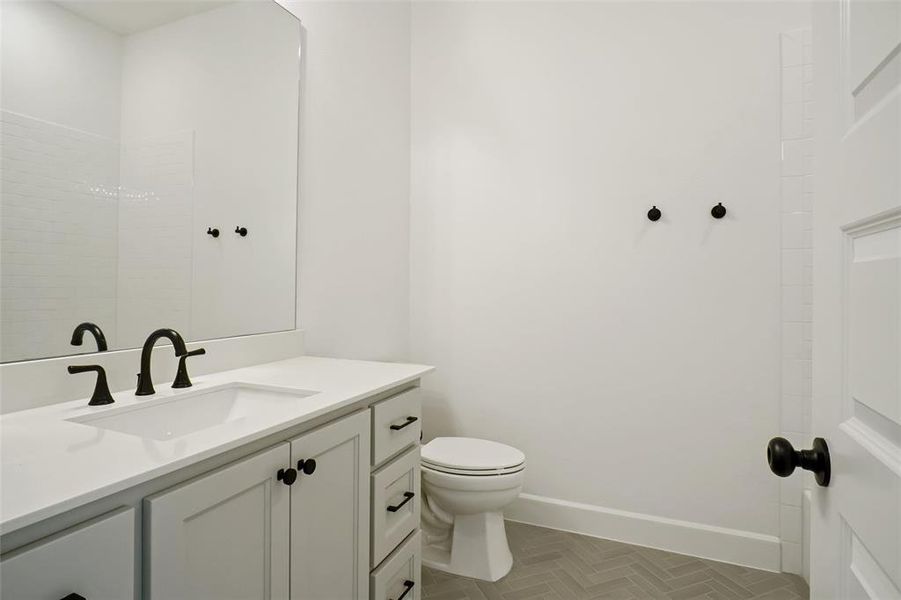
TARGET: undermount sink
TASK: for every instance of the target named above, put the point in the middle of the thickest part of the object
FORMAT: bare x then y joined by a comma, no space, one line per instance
195,411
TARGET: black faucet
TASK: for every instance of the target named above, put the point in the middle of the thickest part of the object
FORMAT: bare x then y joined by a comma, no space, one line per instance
78,335
181,376
101,393
145,384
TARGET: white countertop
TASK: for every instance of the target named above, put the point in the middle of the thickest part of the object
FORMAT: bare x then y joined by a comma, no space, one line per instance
49,465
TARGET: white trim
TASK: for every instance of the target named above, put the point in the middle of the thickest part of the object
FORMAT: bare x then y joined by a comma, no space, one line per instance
685,537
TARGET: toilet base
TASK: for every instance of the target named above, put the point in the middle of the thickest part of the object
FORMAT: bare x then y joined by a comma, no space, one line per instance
479,548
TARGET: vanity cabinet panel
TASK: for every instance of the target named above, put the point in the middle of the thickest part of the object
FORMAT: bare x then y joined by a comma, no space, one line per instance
95,560
395,503
396,424
398,578
222,535
330,512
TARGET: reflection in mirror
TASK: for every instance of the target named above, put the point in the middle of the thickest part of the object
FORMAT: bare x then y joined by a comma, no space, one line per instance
128,131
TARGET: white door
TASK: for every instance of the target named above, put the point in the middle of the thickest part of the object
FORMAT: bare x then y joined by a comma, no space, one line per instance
222,535
330,512
855,540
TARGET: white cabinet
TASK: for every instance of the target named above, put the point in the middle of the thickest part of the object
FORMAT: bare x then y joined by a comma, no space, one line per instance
396,424
222,535
95,560
245,532
330,512
395,500
398,577
395,503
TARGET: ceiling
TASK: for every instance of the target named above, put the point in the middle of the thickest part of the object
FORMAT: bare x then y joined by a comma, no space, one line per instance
133,16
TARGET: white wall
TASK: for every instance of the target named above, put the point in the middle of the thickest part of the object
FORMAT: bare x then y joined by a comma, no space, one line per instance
60,68
353,281
59,179
635,363
229,78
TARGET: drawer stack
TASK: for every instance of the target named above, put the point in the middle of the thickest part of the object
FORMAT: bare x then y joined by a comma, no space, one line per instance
395,555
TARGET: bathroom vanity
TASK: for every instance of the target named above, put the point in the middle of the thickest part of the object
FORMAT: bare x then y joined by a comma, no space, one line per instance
294,479
150,183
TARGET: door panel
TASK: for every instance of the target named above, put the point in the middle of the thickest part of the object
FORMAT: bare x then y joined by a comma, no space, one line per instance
330,512
856,521
222,535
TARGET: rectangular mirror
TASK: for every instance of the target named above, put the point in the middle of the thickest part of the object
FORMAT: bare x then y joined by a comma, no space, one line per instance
149,171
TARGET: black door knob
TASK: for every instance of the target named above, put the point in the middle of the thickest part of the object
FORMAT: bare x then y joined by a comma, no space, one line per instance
308,466
212,231
654,214
783,458
287,476
242,231
718,211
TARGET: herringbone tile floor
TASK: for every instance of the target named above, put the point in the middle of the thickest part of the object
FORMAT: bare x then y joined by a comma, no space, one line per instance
556,565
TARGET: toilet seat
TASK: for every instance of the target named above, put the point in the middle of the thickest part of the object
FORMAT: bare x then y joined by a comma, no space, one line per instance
473,473
471,457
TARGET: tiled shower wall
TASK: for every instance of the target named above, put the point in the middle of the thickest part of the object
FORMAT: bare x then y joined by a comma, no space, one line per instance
156,218
74,240
58,234
797,276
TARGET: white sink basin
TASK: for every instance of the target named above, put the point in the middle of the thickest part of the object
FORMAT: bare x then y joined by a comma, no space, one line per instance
195,411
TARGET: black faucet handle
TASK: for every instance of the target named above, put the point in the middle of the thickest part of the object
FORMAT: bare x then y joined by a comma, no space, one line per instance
181,376
101,393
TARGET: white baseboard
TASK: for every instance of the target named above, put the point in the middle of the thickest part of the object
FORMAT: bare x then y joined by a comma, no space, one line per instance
685,537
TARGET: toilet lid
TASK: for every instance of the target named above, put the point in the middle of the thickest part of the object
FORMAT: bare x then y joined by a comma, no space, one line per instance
471,455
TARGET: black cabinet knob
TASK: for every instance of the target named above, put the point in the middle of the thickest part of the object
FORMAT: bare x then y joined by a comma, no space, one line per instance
718,211
242,231
783,458
308,466
212,231
654,214
287,476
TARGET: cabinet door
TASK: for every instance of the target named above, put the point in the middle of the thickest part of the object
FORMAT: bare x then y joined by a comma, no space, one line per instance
222,535
330,513
95,560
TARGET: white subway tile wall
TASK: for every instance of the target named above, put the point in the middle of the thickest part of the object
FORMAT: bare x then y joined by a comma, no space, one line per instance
797,276
156,213
58,230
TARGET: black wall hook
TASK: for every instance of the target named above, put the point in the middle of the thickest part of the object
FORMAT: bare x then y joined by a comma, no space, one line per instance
242,231
212,231
718,211
654,214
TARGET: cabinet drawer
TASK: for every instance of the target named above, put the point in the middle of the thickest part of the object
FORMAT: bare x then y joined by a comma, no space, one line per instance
95,560
395,503
399,576
396,423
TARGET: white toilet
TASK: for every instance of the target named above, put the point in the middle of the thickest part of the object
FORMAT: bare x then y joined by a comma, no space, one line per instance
466,484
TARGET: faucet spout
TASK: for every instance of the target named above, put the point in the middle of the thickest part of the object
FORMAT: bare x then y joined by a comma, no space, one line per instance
93,329
145,383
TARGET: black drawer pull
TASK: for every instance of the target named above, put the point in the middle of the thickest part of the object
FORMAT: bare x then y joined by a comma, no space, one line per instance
409,421
396,507
74,596
408,585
